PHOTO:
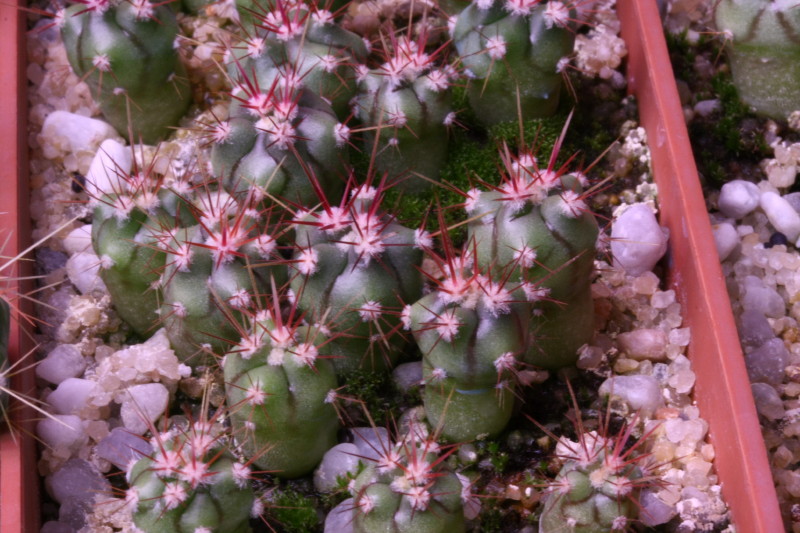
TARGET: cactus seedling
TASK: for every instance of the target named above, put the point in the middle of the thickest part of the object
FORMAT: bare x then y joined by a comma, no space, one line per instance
357,266
278,386
405,108
191,483
763,45
127,52
409,490
537,222
602,475
515,51
472,331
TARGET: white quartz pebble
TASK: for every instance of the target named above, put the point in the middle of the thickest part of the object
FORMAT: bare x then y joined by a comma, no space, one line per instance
340,519
62,432
71,396
111,161
83,269
726,238
121,447
144,404
644,343
768,401
337,462
372,442
781,215
69,132
78,240
637,241
78,479
738,198
65,361
641,393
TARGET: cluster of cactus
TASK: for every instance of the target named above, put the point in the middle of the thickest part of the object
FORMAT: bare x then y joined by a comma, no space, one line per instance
409,489
598,487
762,39
191,483
126,51
284,266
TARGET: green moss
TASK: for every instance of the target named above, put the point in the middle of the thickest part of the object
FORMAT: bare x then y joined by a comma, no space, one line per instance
293,512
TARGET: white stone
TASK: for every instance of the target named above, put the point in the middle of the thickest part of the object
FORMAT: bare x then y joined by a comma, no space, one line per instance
111,161
738,198
726,238
72,133
644,343
121,446
78,479
83,269
372,442
655,511
339,461
641,393
78,240
62,432
756,296
144,404
71,396
781,215
768,401
65,361
637,241
340,519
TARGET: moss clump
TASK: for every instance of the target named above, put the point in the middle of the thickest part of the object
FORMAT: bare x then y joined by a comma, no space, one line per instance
293,512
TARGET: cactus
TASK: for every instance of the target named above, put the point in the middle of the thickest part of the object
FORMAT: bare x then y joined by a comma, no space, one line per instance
355,267
279,136
191,483
409,490
297,36
277,383
405,106
514,51
537,223
597,489
126,51
214,271
763,45
472,331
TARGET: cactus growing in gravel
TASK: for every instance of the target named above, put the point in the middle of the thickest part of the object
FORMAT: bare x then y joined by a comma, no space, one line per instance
536,222
355,267
191,483
405,106
277,382
472,331
598,487
763,45
514,50
409,490
127,52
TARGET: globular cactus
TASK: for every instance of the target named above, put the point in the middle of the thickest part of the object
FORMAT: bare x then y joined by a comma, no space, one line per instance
598,487
126,50
514,50
405,108
278,384
191,483
354,268
537,223
409,490
763,46
279,136
214,271
296,35
472,331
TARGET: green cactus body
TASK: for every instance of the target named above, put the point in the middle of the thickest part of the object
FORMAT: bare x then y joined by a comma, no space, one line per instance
297,37
471,332
353,270
278,388
408,491
515,55
126,51
410,104
538,223
277,139
763,45
597,489
191,483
